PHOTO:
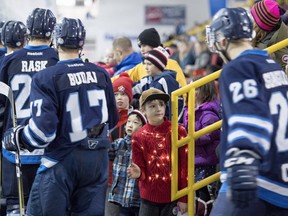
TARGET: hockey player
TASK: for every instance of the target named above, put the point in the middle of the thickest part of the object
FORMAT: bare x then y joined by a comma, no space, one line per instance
3,50
13,35
71,103
17,70
254,141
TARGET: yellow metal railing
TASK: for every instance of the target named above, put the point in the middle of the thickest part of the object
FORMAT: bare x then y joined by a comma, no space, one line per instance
192,136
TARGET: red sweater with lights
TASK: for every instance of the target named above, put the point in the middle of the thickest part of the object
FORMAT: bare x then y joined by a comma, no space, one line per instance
151,151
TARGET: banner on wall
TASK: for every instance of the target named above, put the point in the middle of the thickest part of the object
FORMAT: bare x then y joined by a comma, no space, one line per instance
165,15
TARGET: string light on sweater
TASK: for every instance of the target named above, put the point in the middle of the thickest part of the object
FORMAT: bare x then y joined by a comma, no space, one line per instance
151,149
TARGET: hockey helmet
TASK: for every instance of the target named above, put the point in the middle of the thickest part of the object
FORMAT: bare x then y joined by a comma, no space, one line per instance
13,34
230,23
70,33
40,23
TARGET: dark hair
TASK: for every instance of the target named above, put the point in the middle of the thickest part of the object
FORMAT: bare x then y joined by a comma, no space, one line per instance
206,92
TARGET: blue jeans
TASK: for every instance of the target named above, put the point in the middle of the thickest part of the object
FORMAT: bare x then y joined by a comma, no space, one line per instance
77,184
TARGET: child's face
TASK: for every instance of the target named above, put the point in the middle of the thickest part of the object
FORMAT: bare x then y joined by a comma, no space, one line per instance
133,124
151,69
109,59
155,111
122,100
145,48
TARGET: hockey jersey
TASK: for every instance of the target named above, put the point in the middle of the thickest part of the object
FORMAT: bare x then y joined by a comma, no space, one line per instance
16,70
166,82
3,51
67,100
254,94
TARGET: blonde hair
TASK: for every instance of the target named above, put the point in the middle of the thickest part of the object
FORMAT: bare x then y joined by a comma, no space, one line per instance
260,35
123,43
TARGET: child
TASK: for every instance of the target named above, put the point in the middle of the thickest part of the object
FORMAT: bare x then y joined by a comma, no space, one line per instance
151,153
165,80
108,62
123,95
125,191
269,29
206,113
122,88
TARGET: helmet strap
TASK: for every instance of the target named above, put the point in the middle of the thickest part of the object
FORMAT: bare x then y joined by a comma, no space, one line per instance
223,52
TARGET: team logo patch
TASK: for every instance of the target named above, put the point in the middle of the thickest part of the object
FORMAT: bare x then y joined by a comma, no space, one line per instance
175,210
92,144
121,88
285,58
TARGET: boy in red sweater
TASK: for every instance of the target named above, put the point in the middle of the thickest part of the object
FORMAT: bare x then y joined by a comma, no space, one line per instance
151,154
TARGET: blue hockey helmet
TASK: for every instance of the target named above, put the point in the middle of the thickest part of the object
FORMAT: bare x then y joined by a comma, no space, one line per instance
40,23
70,33
13,34
230,23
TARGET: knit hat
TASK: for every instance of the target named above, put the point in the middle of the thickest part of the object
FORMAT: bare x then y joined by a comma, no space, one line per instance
153,94
266,14
158,56
123,84
149,37
140,115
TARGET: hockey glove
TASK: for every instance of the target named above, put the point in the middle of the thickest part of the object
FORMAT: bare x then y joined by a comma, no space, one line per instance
11,139
242,170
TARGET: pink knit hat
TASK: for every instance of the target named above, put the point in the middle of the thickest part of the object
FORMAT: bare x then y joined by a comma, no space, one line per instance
266,14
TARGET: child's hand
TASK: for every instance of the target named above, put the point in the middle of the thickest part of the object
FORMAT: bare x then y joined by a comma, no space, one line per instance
182,206
134,171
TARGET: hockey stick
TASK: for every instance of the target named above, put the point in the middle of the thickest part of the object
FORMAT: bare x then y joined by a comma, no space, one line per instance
7,91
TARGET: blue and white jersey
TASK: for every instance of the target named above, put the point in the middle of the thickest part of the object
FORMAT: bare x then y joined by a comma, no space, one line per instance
166,82
16,70
67,100
254,94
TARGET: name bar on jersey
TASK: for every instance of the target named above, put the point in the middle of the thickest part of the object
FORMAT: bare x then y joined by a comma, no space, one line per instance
82,78
275,79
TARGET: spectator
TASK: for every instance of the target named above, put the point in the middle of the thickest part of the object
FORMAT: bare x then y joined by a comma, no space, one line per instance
151,154
203,58
206,113
109,62
185,55
122,88
211,69
155,61
147,40
270,29
124,55
125,191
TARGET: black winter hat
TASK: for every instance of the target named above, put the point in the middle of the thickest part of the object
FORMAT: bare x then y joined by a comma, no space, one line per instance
149,37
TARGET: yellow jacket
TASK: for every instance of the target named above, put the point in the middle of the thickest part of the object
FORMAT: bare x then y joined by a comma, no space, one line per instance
139,72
